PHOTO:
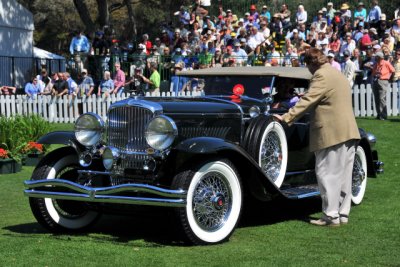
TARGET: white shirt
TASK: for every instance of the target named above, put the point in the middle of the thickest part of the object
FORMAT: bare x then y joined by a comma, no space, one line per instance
255,40
349,71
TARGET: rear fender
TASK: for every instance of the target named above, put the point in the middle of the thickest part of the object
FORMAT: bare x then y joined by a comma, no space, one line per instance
252,176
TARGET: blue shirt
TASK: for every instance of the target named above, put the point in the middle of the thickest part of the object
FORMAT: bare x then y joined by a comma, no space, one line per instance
362,13
86,84
72,85
106,85
32,89
374,14
178,82
266,14
79,45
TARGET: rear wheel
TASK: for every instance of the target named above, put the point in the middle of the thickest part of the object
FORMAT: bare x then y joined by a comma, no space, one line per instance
214,201
61,215
359,179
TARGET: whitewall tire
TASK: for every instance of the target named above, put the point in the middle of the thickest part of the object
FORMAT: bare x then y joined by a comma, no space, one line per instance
359,178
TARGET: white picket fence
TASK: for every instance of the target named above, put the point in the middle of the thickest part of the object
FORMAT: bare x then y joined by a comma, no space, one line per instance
67,108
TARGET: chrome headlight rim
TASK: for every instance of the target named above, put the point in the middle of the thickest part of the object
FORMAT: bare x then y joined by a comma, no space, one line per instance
97,130
173,134
109,157
254,111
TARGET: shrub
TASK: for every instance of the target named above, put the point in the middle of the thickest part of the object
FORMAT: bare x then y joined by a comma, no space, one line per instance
16,132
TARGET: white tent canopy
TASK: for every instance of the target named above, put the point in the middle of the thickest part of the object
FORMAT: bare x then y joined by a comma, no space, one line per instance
43,54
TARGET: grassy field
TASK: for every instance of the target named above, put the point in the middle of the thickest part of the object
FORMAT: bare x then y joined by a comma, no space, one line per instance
274,234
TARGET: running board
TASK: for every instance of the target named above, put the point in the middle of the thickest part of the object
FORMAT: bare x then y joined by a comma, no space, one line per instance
304,191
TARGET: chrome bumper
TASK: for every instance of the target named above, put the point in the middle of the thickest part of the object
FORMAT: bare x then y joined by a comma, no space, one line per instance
64,189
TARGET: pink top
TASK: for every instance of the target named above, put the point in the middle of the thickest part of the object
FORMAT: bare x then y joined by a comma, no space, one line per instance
336,65
119,79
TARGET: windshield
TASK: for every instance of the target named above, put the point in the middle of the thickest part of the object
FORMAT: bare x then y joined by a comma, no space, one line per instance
255,87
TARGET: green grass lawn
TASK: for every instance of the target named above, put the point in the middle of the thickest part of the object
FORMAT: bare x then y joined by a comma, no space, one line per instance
274,234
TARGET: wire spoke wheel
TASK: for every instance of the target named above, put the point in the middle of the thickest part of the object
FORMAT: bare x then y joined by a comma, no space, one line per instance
359,176
273,153
213,201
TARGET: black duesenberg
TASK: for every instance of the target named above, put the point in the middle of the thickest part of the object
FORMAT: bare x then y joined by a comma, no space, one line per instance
199,155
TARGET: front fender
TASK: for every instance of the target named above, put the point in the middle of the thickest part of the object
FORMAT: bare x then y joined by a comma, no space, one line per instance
58,137
254,179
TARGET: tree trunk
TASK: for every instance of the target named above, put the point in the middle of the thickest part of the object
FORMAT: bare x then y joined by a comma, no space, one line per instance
84,14
131,18
103,15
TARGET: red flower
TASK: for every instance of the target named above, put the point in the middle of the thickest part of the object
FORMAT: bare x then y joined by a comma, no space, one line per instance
3,154
33,147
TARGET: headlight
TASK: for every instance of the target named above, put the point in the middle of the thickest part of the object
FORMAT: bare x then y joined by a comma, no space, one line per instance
161,132
110,154
88,129
254,111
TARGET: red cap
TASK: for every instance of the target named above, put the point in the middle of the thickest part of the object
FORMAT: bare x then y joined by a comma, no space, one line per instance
253,7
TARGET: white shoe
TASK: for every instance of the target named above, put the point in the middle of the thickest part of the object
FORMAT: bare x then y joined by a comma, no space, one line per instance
324,221
344,220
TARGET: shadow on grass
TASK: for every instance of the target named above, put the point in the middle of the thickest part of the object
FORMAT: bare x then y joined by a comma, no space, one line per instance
158,226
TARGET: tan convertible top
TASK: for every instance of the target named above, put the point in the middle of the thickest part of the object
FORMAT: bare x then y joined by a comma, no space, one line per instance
287,72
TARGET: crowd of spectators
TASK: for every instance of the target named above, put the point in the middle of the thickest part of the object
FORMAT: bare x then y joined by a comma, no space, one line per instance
258,38
349,37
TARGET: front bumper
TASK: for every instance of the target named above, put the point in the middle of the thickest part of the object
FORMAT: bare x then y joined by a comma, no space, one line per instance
136,194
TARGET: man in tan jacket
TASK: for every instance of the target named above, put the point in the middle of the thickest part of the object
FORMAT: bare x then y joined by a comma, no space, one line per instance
333,135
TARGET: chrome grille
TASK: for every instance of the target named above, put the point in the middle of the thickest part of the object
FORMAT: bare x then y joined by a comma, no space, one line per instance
126,126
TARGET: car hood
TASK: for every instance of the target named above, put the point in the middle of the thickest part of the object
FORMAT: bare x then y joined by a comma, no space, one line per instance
198,105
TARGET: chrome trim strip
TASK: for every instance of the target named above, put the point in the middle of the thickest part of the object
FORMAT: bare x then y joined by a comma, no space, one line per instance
107,199
137,188
152,106
93,172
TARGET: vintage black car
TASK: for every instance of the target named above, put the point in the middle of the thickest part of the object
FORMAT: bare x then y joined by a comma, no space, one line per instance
199,155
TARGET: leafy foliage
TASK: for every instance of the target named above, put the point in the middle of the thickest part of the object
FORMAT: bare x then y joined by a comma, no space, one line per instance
16,132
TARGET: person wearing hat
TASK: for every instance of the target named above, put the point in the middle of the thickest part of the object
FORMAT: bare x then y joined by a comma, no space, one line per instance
177,82
365,41
276,27
333,136
349,69
374,14
381,72
254,13
360,14
346,13
239,54
330,11
86,86
177,39
301,15
358,33
333,62
265,13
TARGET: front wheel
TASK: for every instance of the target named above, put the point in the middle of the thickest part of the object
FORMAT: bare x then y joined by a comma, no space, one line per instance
213,202
60,215
359,179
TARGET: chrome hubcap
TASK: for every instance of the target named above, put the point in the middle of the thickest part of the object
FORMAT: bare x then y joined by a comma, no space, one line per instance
212,201
271,156
358,176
